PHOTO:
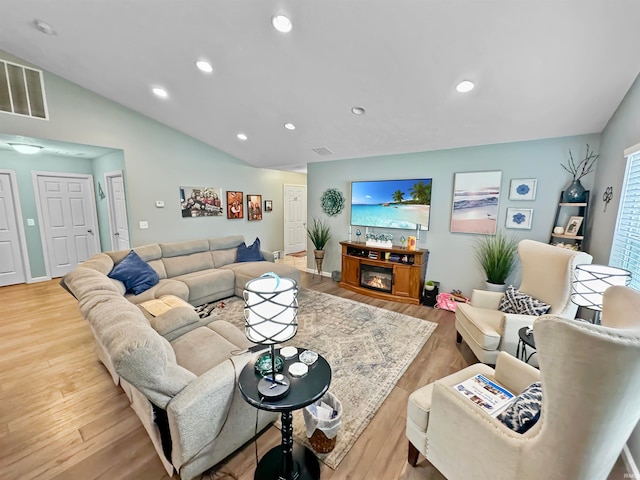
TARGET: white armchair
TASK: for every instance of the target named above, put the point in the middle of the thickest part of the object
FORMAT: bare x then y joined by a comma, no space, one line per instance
590,378
547,274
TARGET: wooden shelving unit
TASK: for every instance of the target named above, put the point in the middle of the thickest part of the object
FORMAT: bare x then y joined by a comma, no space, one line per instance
398,273
579,209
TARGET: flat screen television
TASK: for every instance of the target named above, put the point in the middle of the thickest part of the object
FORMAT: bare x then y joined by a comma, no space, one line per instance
391,203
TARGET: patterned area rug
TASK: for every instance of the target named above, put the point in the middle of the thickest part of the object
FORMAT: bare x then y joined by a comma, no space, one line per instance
368,348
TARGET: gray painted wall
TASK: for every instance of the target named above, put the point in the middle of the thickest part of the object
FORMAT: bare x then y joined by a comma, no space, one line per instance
621,132
158,161
451,259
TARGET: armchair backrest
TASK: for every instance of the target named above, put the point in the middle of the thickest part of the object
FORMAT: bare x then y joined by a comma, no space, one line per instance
591,382
547,274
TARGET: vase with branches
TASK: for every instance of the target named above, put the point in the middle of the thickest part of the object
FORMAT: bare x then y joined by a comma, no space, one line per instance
576,192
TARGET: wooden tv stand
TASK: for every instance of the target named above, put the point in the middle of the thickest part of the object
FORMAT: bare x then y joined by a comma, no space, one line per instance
394,273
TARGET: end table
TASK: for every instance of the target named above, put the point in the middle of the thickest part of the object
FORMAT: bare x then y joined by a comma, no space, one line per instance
288,461
525,340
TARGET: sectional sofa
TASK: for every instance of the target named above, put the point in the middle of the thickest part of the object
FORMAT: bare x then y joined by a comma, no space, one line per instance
179,371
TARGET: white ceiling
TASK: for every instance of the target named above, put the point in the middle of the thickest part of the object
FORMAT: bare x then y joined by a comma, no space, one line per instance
542,68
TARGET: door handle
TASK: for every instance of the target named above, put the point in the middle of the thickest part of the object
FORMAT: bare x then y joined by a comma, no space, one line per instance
117,234
89,231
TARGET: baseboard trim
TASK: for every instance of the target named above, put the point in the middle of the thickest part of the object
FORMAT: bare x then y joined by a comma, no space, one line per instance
629,463
39,279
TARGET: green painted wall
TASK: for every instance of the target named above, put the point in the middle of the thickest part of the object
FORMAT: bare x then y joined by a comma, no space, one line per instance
451,254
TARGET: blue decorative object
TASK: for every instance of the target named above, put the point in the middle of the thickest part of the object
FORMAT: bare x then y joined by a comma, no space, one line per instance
523,189
136,274
332,202
575,193
251,253
519,218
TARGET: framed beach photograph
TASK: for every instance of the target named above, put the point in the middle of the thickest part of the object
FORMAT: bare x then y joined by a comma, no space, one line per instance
254,207
523,189
573,225
519,218
201,201
235,204
475,202
268,205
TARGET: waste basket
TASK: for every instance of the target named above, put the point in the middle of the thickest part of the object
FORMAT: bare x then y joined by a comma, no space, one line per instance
322,421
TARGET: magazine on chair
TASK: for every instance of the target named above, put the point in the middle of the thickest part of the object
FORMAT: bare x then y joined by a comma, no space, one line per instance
485,393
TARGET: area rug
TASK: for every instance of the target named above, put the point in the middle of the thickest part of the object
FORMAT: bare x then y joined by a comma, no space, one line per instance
368,348
298,254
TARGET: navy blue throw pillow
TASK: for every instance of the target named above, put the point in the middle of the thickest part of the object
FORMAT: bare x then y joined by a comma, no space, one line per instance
524,411
136,274
251,253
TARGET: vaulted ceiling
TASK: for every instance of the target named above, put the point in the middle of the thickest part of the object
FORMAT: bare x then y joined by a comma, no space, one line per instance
541,69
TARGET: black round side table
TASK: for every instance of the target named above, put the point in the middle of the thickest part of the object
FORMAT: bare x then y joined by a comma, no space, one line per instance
525,340
288,461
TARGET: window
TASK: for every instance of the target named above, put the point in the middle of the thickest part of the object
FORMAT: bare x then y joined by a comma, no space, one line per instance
625,251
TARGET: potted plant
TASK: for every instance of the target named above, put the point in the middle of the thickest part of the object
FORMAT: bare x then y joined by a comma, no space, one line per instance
319,234
497,255
429,285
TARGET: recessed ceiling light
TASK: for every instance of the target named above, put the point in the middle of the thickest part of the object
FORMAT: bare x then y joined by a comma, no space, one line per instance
44,27
160,92
26,149
204,66
465,86
281,23
358,111
242,136
289,126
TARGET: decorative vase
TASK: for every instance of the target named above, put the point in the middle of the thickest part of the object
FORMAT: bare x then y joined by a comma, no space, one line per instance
496,287
319,256
575,193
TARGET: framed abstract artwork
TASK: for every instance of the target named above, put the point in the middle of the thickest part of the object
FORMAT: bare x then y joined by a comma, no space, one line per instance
201,201
523,189
475,202
235,204
519,218
254,207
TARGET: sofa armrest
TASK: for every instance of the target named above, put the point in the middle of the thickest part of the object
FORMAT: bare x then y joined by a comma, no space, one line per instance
486,299
511,323
514,374
268,256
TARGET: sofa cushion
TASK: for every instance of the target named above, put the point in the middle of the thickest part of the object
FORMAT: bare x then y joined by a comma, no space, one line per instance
515,301
482,324
225,243
136,274
250,253
208,285
184,264
524,411
202,349
246,271
224,257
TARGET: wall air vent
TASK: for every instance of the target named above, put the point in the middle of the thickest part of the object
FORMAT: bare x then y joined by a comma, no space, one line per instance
322,151
22,91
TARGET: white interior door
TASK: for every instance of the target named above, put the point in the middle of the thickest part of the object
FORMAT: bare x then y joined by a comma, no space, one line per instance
295,217
68,220
12,251
117,206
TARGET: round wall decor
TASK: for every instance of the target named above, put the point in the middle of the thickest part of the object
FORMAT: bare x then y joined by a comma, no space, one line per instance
332,201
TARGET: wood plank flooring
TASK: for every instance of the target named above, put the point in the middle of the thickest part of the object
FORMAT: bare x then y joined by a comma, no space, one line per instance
62,417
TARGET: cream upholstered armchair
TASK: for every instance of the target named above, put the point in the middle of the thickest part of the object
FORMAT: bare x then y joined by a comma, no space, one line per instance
547,274
590,378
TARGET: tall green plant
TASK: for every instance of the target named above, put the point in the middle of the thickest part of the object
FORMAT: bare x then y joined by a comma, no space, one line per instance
318,233
497,255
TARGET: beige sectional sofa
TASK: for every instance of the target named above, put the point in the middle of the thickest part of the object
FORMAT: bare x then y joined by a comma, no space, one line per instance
179,371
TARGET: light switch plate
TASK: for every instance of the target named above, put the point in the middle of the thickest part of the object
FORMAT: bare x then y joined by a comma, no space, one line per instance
30,222
144,224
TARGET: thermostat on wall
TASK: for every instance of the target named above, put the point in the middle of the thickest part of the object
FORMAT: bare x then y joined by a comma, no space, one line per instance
159,204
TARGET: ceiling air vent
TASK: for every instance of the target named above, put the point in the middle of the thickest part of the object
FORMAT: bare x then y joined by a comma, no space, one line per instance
22,91
322,151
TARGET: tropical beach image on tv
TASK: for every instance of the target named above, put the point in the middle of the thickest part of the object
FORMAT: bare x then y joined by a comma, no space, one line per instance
391,203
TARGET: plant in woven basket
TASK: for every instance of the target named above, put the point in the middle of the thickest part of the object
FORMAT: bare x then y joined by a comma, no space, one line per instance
319,234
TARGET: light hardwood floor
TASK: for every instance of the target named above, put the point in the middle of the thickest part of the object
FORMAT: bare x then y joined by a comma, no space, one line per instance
61,416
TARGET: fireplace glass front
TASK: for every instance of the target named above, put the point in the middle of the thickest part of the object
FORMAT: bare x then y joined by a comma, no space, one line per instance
376,278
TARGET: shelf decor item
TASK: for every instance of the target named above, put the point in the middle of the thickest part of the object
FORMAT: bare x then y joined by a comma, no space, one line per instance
332,202
575,192
573,225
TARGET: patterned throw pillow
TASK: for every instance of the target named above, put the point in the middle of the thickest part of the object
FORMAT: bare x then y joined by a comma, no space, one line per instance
515,301
524,411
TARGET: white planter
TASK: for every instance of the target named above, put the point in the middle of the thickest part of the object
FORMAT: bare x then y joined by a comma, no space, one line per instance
496,287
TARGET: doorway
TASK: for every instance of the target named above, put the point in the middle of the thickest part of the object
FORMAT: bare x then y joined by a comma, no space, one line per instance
117,208
14,263
295,218
67,218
